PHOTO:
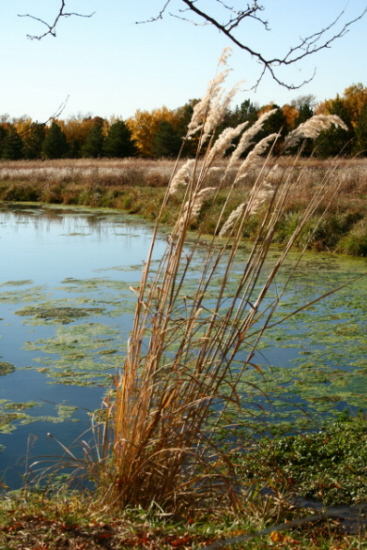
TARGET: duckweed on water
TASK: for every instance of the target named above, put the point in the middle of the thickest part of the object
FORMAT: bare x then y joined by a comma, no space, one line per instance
97,283
84,354
6,368
28,295
12,414
62,315
18,283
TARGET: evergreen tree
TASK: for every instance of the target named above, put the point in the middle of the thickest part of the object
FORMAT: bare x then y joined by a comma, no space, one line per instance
3,134
74,149
305,112
361,133
119,143
33,141
93,146
55,145
336,141
12,148
246,112
167,142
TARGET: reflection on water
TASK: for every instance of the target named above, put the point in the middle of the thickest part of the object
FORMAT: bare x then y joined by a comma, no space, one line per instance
48,258
66,309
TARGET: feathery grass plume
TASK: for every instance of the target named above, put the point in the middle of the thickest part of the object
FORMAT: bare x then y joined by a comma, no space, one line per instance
202,108
193,207
263,194
254,155
312,128
209,111
224,141
181,177
216,113
248,137
232,218
191,346
226,53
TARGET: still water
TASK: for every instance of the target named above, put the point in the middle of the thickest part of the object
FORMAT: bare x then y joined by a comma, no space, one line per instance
66,310
56,258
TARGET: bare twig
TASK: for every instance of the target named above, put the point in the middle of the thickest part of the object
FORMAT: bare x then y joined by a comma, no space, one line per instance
51,28
232,22
307,46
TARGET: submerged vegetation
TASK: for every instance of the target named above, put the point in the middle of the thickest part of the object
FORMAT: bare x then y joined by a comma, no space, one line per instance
178,438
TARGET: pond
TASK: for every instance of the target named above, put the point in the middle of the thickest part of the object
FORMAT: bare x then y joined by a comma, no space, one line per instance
66,309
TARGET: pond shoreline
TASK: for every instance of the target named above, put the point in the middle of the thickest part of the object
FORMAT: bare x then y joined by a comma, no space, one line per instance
137,187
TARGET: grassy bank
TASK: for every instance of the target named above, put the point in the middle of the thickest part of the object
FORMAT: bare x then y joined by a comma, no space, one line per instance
270,517
137,186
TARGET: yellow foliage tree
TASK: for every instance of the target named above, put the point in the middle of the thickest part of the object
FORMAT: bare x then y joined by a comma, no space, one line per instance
290,113
355,98
144,125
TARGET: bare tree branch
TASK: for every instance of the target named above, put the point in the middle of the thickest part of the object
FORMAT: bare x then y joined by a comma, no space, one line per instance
231,27
306,47
51,28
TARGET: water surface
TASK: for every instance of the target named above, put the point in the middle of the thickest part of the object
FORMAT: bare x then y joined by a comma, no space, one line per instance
66,310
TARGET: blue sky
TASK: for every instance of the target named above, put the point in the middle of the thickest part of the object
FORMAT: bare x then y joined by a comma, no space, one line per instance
108,65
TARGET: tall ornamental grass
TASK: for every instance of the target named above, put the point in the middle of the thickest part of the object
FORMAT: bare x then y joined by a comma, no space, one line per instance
193,340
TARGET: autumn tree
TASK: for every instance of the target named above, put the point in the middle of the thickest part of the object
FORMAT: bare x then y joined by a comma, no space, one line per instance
336,141
355,99
290,115
144,125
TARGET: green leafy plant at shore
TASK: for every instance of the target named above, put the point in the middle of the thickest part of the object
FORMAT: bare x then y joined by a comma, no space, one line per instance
328,466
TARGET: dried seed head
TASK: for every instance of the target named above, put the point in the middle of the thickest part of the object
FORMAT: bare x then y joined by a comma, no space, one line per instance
193,207
232,218
312,128
181,177
224,141
253,156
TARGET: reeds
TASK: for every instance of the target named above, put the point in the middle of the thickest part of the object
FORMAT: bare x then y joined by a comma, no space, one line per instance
189,349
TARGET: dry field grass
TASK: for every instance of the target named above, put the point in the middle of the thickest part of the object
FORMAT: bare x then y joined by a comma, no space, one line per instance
138,185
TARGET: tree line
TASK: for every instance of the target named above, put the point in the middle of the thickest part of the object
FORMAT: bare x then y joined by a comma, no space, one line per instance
158,133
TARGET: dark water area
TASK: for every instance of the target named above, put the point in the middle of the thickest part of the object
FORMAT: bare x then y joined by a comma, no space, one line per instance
66,309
